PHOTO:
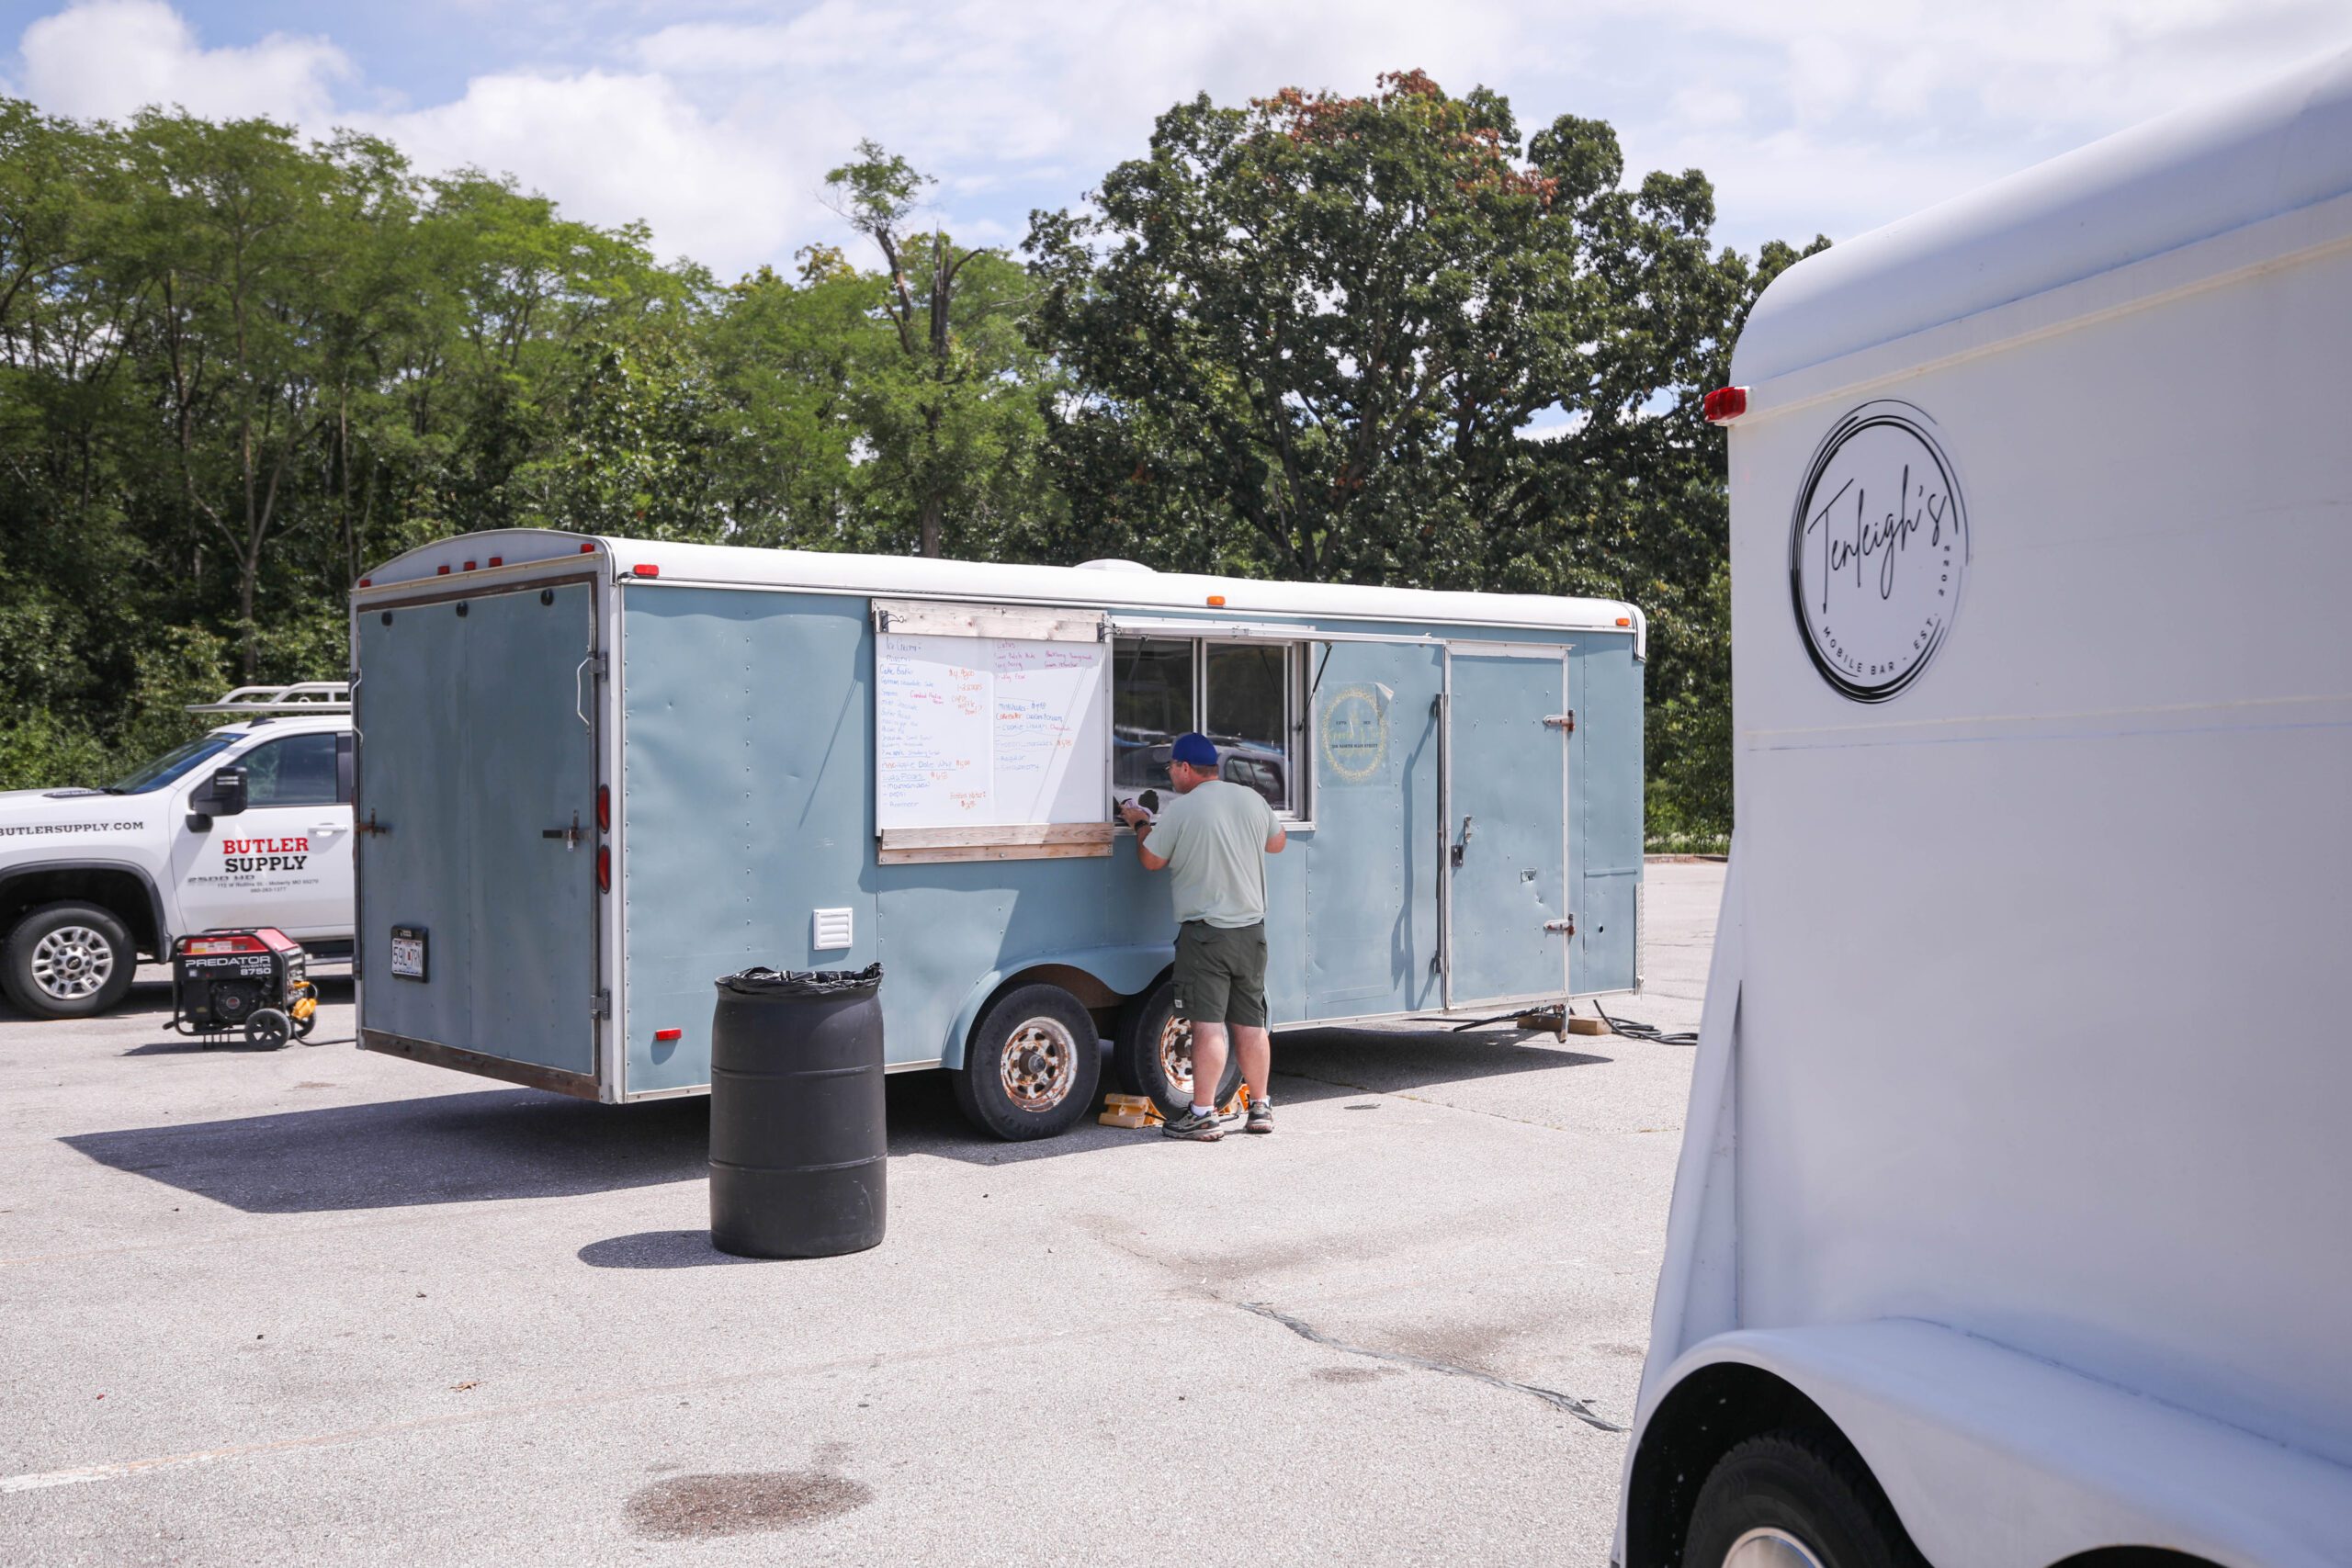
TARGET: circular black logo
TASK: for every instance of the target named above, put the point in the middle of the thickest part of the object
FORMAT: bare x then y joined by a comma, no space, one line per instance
1878,544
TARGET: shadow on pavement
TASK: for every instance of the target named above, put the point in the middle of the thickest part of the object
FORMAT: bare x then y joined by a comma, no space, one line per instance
1321,1063
518,1143
456,1148
658,1249
1309,1064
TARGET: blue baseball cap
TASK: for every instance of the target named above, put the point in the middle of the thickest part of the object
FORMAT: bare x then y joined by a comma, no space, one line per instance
1193,748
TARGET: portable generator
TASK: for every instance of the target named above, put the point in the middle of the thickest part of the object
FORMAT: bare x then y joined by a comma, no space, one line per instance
252,980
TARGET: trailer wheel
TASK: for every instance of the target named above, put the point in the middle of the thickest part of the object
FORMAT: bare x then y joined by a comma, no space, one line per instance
67,961
1032,1066
1786,1500
1152,1054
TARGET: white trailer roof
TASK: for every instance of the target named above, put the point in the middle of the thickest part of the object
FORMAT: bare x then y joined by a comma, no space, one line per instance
1114,585
2187,176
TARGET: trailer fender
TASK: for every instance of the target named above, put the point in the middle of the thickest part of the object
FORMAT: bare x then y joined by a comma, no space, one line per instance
1120,972
1959,1430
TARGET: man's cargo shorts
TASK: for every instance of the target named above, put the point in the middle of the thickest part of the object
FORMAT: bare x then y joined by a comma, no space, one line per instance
1221,973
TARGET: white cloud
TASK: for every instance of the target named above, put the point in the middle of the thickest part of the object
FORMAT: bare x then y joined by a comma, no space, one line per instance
731,189
728,190
111,58
1709,106
717,123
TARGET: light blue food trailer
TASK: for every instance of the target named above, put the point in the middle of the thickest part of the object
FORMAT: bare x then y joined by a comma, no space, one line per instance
595,773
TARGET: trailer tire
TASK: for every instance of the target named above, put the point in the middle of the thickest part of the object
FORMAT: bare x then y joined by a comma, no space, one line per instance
1144,1052
67,960
1032,1066
1788,1487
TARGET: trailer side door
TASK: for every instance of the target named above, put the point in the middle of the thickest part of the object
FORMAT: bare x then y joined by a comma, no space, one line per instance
1506,806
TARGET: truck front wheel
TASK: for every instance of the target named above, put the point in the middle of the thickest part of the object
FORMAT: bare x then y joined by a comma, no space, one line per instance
1032,1066
1785,1500
67,961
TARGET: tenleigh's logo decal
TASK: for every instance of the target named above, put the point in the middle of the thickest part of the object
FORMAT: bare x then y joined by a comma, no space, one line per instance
1878,544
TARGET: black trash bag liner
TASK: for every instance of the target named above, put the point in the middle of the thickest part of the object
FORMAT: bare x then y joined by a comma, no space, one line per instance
768,983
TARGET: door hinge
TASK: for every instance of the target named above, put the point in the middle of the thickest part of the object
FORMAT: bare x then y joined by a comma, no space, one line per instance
371,826
1566,721
1566,928
601,1005
598,663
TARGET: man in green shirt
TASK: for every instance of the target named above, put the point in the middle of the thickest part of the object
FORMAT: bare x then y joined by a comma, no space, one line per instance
1214,839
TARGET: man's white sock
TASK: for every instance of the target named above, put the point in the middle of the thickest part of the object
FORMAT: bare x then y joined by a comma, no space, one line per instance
1204,1110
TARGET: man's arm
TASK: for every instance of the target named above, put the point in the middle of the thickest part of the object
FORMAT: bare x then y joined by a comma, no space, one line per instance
1135,817
1279,837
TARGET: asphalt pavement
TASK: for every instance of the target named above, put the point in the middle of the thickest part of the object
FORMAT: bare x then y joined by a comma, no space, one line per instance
322,1306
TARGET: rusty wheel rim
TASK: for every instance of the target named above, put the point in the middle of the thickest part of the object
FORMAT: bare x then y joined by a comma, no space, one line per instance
1176,1055
1038,1064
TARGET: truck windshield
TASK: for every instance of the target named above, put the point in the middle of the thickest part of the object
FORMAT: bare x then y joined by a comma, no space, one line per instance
171,765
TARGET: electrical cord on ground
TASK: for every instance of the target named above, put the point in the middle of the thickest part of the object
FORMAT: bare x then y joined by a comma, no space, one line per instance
1482,1022
1651,1033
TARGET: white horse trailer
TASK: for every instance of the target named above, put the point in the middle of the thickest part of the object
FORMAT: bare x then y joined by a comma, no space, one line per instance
2014,1219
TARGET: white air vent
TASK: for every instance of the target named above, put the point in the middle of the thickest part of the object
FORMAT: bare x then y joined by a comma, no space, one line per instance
832,930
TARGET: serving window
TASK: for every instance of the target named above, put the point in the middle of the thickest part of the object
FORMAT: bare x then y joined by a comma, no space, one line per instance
1246,697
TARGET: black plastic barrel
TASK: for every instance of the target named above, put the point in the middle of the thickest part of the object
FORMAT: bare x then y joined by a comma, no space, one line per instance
799,1152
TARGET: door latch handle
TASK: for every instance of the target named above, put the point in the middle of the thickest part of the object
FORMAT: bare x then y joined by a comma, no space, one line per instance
371,826
571,836
1463,842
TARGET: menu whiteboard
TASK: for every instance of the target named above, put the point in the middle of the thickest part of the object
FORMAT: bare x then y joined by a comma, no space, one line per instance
990,731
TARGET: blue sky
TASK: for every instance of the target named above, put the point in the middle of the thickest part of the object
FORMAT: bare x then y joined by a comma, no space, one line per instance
716,121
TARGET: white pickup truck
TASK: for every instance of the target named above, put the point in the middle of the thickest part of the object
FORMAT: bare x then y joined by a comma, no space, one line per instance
248,825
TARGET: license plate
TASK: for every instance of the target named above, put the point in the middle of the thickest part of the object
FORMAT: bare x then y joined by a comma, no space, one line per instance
408,952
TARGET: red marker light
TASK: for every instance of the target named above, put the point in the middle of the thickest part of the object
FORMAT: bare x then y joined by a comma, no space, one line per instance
660,1035
645,569
441,571
498,560
604,808
1724,404
604,869
470,566
589,549
365,581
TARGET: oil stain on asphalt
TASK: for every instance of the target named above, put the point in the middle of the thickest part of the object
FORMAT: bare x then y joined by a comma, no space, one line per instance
696,1507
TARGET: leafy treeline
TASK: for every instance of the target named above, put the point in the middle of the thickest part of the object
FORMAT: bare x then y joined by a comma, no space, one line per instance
1302,338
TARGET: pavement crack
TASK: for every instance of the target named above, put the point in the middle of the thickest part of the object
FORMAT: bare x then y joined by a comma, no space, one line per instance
1576,1407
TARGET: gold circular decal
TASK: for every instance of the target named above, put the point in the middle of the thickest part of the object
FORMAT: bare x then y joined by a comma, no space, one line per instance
1355,732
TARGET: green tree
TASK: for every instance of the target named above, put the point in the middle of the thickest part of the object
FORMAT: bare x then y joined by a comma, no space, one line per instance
1310,334
949,403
